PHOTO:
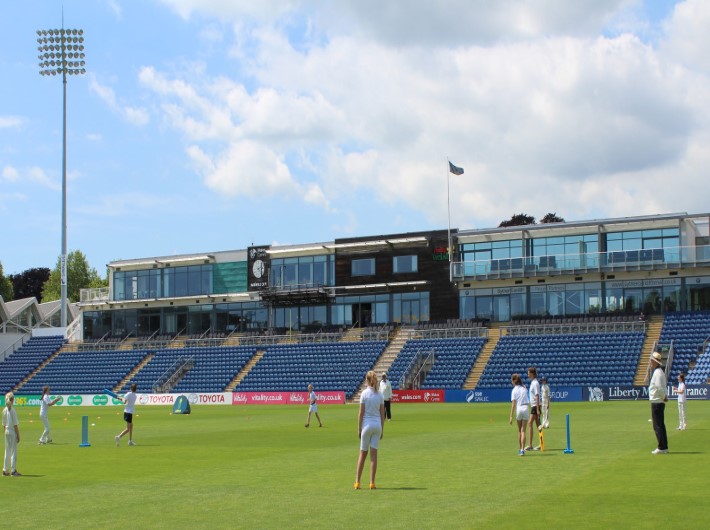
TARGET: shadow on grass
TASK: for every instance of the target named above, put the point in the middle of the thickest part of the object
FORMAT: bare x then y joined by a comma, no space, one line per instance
403,488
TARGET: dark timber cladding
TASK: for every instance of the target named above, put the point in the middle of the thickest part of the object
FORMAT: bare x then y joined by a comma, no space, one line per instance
432,260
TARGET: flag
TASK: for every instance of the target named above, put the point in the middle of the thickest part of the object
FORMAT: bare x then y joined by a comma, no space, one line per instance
455,170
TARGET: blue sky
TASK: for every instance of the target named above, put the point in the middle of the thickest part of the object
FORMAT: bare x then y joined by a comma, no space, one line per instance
207,125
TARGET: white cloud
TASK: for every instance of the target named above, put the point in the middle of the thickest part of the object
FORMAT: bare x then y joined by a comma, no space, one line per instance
245,168
9,122
687,40
544,113
135,115
115,8
10,174
34,175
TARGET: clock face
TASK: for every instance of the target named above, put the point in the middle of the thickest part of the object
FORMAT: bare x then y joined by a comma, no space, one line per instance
258,268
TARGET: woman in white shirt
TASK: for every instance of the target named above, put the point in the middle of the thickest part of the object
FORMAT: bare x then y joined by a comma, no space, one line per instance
519,408
370,427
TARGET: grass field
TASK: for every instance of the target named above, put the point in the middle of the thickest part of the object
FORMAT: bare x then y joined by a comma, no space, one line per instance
441,466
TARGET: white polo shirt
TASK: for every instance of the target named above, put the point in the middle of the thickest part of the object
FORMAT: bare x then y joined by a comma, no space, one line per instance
520,396
130,402
372,401
534,392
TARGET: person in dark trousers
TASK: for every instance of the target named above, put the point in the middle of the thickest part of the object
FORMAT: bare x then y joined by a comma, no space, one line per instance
386,391
658,397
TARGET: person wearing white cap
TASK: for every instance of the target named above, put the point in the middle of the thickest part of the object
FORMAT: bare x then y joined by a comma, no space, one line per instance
657,396
386,390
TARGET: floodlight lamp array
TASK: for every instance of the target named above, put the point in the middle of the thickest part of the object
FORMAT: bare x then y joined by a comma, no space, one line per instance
61,51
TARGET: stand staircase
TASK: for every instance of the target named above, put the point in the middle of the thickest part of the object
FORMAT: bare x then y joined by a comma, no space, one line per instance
48,360
385,360
477,369
133,372
244,371
654,324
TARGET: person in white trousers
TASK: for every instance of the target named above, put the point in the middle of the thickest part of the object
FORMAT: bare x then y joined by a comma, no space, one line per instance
44,405
680,391
12,436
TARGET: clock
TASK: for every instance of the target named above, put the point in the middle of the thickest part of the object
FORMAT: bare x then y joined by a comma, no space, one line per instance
258,268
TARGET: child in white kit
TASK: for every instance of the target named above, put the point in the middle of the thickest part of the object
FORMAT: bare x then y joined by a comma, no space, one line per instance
680,391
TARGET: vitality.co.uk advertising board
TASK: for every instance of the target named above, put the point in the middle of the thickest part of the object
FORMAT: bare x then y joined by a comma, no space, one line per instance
489,395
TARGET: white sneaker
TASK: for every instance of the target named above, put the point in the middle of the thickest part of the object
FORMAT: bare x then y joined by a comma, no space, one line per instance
659,452
118,440
130,442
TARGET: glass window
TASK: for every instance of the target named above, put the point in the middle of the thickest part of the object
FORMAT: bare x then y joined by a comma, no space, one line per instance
143,284
320,272
290,274
180,281
467,307
404,264
538,303
276,272
194,280
363,267
119,287
574,302
305,273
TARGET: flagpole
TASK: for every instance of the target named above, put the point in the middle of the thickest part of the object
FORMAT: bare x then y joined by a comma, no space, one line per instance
448,212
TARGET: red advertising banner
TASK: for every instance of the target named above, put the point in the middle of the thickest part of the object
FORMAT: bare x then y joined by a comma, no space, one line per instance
286,398
417,396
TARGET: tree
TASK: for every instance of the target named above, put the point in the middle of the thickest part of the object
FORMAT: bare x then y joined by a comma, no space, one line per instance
79,276
5,286
29,283
551,218
518,219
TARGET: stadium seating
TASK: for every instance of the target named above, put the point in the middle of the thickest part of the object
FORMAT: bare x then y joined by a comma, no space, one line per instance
214,368
700,373
566,360
326,365
454,359
26,359
687,331
85,371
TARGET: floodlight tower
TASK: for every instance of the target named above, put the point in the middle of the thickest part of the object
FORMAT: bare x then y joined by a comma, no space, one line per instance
61,51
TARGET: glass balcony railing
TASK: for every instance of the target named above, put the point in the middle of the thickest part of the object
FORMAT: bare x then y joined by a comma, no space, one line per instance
625,260
98,294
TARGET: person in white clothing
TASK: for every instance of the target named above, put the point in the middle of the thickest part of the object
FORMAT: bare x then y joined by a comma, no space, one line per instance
386,390
11,426
534,398
680,392
312,407
545,396
370,427
658,397
519,409
44,405
130,400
